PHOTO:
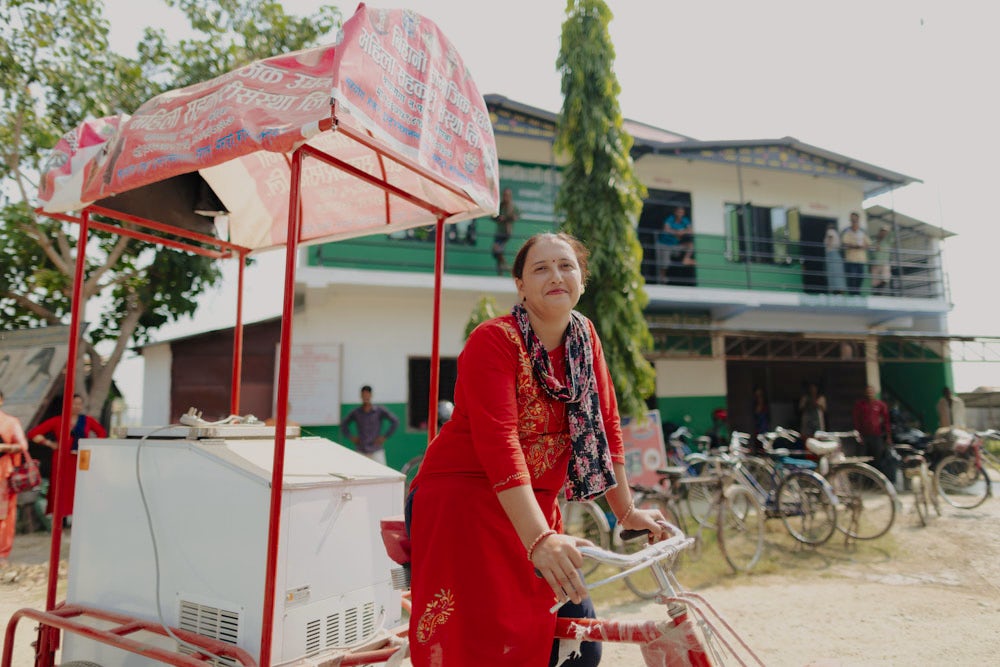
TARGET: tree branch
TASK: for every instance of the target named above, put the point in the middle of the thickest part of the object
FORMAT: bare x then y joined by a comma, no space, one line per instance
43,241
40,311
92,283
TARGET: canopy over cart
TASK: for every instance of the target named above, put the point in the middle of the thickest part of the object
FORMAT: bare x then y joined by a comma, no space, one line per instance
383,131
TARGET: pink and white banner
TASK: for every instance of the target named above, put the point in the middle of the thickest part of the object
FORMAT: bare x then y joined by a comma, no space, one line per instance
396,80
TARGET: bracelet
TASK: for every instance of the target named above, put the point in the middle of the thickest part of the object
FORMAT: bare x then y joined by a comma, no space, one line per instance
538,540
628,512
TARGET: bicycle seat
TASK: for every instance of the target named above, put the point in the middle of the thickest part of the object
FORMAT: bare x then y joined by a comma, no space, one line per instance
673,472
822,447
397,544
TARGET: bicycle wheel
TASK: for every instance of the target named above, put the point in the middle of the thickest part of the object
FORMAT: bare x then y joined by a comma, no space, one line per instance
807,507
410,469
741,528
866,501
700,496
643,583
961,483
586,519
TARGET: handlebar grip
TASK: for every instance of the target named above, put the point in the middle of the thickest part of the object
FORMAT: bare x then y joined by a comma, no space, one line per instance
629,534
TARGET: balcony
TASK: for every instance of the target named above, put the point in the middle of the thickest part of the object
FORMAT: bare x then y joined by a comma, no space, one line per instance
727,276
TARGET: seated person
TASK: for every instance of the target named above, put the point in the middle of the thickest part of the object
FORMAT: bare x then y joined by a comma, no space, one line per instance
681,270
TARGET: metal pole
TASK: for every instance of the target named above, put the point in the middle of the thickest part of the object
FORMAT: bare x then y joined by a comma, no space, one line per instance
432,414
744,212
281,409
234,398
63,457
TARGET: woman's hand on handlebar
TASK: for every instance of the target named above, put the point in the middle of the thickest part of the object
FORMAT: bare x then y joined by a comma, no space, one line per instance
558,560
651,520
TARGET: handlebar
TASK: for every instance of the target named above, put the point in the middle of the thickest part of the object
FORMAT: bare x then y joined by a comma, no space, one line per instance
650,556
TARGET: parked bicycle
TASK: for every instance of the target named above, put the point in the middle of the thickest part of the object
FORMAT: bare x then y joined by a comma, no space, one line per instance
963,475
802,499
866,499
737,523
917,471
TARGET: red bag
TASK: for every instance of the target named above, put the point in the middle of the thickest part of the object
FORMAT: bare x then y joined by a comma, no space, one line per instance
26,476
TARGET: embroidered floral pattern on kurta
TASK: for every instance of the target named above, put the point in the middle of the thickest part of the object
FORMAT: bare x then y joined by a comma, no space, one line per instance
435,614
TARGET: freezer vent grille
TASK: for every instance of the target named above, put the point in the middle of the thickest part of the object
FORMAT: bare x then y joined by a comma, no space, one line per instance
213,622
313,637
350,625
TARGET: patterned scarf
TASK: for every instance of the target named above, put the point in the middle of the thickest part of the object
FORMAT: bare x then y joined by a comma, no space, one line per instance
590,468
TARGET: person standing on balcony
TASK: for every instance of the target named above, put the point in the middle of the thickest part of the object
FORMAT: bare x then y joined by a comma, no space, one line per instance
856,243
368,419
881,273
670,249
835,283
505,219
872,422
950,410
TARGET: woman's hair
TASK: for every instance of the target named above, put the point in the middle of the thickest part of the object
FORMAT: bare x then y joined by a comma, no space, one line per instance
580,250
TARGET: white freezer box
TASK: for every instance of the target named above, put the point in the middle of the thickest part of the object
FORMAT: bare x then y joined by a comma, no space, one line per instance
208,497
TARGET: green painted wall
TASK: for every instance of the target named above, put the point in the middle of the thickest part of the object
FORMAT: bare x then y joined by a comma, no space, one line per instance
400,448
917,385
715,270
698,408
534,187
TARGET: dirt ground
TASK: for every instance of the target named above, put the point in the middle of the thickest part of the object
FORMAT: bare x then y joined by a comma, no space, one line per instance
919,596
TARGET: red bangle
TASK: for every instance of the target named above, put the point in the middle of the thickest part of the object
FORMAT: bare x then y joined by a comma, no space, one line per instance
538,540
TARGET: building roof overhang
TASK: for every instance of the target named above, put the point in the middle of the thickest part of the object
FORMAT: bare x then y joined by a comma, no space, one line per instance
784,154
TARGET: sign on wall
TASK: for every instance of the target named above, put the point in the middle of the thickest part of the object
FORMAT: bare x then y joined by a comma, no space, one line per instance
313,384
645,450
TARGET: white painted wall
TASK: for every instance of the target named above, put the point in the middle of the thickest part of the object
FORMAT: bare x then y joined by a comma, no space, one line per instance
380,328
712,186
690,377
156,384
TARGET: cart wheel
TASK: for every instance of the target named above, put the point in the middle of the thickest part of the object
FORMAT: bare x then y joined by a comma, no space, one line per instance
79,663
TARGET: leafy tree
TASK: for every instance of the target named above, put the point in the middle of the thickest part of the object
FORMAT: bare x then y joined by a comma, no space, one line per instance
601,198
56,70
486,309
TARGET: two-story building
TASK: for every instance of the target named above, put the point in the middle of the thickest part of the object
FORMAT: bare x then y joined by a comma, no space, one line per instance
745,301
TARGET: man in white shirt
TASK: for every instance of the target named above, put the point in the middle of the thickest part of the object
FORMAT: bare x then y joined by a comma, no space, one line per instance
855,242
950,409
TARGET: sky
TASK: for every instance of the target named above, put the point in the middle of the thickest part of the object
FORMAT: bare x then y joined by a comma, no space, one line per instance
906,85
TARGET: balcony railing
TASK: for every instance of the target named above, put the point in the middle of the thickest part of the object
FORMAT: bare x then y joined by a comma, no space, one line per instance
718,262
786,266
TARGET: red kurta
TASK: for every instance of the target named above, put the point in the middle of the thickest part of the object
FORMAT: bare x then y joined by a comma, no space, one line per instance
476,599
53,427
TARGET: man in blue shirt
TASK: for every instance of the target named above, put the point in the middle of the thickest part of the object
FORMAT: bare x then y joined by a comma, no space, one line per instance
368,419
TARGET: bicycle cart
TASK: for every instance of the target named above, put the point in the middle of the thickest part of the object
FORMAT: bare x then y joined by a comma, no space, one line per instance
224,542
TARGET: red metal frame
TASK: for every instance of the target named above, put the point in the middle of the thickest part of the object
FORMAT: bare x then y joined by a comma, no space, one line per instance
50,623
62,619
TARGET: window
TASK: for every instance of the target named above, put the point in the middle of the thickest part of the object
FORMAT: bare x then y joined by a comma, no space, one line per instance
419,388
761,233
